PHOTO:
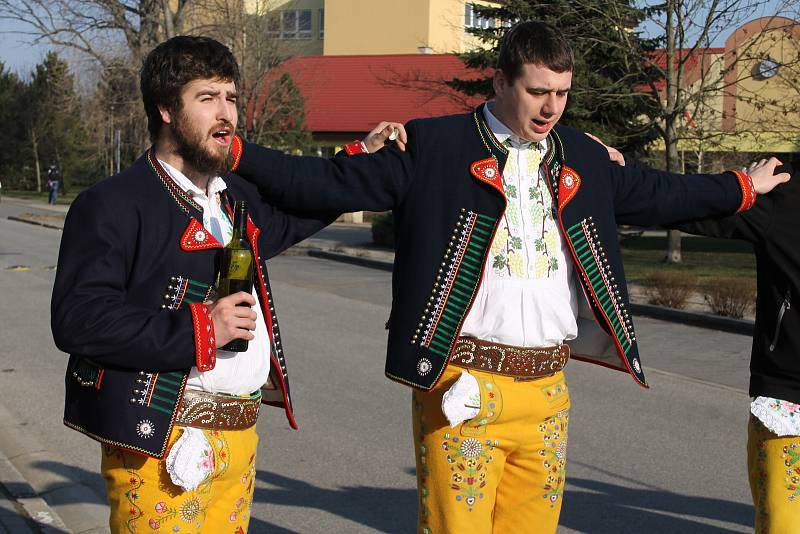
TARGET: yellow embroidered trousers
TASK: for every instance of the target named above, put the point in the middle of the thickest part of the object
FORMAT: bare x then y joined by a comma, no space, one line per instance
773,464
500,472
143,498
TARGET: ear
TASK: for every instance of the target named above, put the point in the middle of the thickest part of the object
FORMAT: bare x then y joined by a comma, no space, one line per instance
499,82
166,116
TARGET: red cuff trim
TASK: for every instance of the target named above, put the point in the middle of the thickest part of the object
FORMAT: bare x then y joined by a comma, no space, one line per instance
237,147
748,190
205,348
356,147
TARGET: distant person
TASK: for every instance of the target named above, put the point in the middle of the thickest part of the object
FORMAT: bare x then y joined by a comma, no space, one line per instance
507,262
53,183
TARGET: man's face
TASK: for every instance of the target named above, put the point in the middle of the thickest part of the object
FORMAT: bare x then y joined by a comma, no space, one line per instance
532,105
203,127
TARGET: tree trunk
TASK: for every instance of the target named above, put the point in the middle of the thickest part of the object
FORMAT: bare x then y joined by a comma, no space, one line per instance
35,145
673,254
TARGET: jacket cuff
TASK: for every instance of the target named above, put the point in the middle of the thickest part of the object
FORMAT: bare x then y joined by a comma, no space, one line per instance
748,190
204,342
356,147
237,147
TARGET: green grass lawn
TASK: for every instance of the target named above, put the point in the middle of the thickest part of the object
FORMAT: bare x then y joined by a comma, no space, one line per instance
703,257
33,195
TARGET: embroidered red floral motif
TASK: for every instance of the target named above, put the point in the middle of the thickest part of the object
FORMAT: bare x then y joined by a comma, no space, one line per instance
568,184
486,170
196,237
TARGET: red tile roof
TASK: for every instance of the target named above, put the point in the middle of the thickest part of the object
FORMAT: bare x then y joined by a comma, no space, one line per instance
355,93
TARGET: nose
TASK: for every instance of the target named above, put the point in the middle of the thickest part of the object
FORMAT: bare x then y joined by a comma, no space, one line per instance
550,105
226,111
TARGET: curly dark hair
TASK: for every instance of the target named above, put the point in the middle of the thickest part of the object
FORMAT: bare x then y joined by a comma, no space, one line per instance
534,42
176,62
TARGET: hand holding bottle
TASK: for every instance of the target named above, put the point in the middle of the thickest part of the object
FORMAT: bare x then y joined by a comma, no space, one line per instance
233,318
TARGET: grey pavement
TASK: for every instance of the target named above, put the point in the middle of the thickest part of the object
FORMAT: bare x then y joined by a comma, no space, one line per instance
669,459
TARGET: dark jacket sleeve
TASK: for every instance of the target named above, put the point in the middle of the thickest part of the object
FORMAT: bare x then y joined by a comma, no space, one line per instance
750,225
648,197
89,311
374,182
286,228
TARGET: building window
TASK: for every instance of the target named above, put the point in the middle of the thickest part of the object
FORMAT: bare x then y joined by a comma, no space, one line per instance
290,24
321,23
472,20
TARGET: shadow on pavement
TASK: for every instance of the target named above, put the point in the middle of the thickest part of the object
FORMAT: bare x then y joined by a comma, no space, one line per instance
69,475
382,509
602,508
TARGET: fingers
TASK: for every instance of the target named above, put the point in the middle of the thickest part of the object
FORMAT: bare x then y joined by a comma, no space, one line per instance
763,175
233,318
386,132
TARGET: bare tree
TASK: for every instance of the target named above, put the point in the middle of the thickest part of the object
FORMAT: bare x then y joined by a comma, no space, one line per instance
695,78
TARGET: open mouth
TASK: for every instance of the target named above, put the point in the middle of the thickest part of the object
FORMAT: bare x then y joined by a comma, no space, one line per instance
222,136
540,126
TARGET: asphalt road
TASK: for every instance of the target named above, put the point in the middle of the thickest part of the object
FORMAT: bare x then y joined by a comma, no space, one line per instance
669,459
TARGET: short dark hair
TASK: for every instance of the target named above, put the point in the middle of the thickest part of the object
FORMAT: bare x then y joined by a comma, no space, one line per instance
176,62
534,42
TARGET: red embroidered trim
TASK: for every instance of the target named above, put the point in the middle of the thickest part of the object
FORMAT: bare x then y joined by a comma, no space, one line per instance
486,170
196,237
205,349
237,148
356,147
748,190
568,184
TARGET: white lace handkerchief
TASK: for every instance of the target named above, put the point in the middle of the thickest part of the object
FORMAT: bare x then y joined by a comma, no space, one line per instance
782,418
462,401
190,460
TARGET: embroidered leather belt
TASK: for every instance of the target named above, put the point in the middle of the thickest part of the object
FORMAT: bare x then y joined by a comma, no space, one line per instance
217,411
508,360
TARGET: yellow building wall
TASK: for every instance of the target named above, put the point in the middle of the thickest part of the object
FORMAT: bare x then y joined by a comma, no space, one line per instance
355,27
768,105
293,47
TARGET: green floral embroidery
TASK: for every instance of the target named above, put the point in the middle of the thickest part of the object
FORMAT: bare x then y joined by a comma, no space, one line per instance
791,458
554,455
508,250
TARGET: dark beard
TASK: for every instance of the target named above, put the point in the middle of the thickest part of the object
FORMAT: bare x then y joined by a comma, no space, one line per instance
189,144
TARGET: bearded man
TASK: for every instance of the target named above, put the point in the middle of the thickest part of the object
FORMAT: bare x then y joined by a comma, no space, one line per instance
133,306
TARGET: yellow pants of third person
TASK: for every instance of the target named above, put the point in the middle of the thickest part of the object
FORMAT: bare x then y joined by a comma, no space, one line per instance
502,471
774,467
143,498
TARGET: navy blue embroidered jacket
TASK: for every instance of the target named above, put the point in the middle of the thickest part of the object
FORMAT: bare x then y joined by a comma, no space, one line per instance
447,196
135,264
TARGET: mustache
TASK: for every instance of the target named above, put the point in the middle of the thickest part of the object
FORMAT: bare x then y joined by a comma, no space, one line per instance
222,125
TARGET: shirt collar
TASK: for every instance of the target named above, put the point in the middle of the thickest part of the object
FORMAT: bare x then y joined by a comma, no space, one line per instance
215,184
503,133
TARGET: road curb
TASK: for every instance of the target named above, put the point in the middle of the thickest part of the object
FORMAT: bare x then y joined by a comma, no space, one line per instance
53,504
698,319
37,223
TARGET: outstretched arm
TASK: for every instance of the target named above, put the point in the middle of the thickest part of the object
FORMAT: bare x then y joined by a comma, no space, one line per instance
375,182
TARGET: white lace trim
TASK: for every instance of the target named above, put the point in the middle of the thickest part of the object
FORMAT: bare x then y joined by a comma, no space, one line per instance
462,401
190,460
782,418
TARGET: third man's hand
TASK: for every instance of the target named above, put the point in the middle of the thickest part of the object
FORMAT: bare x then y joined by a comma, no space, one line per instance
383,133
232,321
763,175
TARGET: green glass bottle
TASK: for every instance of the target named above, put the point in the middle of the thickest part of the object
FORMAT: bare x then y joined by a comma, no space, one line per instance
236,268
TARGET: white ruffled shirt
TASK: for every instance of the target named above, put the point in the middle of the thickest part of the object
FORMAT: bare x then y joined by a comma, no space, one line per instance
782,418
235,373
527,296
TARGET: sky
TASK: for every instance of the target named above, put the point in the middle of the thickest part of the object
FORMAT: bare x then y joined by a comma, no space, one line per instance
19,54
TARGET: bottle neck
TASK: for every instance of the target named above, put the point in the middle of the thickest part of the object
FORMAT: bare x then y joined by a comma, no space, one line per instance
239,221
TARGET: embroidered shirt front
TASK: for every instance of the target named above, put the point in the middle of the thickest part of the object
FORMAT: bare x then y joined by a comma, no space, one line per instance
235,373
527,295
